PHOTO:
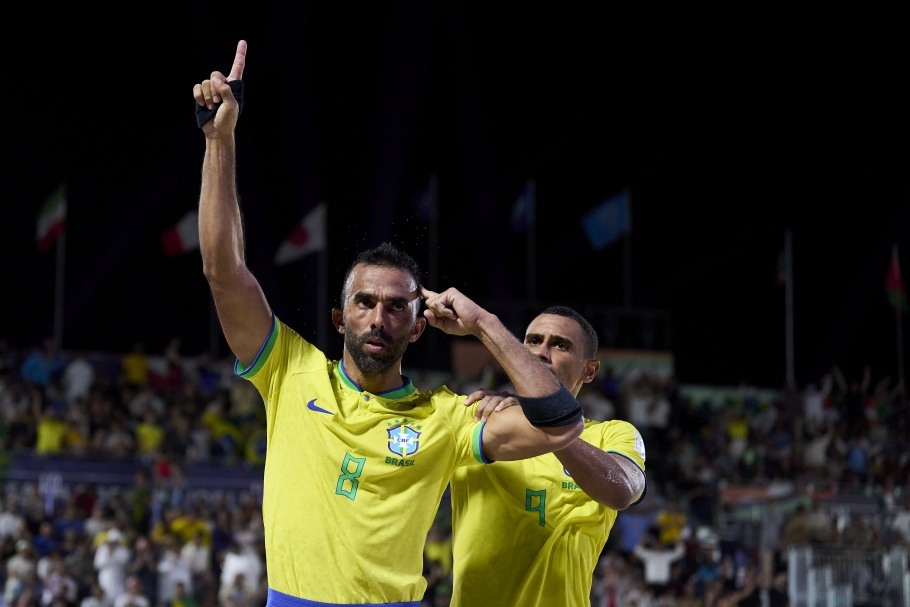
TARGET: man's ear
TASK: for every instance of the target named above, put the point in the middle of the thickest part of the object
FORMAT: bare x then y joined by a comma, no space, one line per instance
591,369
338,319
419,325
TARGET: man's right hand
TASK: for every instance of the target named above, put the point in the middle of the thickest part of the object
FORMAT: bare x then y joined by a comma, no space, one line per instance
489,401
215,90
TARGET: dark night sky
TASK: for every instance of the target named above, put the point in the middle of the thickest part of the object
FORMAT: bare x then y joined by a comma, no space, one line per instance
726,128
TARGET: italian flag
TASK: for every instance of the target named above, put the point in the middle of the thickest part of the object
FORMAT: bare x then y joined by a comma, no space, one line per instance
307,237
183,236
52,219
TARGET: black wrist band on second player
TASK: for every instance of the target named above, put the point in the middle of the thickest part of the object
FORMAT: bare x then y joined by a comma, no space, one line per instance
557,409
204,114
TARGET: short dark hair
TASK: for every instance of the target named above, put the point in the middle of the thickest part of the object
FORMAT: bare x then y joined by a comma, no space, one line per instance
591,342
387,255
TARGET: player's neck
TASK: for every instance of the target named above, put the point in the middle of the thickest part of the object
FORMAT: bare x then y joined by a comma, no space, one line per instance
375,383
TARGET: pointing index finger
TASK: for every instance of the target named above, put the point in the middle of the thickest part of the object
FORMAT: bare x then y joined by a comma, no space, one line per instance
239,62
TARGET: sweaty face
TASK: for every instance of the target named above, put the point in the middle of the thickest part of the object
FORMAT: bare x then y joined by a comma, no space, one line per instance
559,342
380,314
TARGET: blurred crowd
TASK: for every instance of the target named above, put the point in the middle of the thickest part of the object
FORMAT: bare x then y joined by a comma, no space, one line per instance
690,542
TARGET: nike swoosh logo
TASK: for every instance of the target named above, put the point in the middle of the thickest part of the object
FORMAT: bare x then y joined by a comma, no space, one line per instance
313,407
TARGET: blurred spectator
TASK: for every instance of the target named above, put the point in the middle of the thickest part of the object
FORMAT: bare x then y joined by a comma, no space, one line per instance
97,522
143,400
610,581
95,597
237,592
51,432
821,523
670,523
778,592
149,437
240,562
187,525
850,396
438,548
21,590
12,523
798,528
771,528
658,559
198,556
170,381
80,564
42,365
57,583
594,400
111,561
135,366
78,378
816,402
117,442
246,402
44,541
226,436
183,597
172,568
901,523
143,566
23,564
207,375
132,595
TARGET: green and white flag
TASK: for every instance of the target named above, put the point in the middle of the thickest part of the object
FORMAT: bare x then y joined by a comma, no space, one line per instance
52,219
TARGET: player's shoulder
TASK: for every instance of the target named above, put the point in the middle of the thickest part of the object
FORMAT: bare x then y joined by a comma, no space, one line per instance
443,393
610,424
612,427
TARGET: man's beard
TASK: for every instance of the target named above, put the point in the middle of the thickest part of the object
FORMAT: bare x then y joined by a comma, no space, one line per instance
375,363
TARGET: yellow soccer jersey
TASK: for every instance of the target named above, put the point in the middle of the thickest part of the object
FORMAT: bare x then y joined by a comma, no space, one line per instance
352,480
525,534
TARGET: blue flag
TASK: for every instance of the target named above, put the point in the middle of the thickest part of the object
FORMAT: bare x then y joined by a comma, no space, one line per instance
609,221
523,212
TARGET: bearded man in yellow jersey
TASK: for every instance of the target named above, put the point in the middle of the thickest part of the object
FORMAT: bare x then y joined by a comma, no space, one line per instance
530,532
357,458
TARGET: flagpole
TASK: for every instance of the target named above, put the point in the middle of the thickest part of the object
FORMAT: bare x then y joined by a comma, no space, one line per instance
433,251
788,306
900,344
898,321
58,289
322,299
531,252
627,257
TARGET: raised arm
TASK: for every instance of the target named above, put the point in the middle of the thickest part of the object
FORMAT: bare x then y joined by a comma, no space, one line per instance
549,418
242,308
608,478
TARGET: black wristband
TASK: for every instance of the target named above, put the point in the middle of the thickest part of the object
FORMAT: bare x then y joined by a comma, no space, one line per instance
204,114
557,409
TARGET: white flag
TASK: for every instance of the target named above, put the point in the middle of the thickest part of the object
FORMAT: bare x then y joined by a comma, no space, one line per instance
182,237
308,236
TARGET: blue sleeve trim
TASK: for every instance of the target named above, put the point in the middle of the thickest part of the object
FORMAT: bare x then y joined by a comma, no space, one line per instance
261,356
477,443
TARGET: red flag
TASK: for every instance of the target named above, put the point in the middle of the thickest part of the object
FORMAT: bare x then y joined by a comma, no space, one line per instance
183,236
307,237
894,283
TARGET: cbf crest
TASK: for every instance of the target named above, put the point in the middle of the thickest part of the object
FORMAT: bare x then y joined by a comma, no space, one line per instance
404,437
